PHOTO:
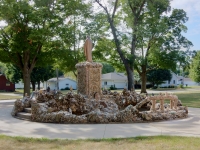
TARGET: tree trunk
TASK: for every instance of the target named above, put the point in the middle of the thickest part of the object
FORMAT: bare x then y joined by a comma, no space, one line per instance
38,82
129,77
27,79
128,67
143,79
33,86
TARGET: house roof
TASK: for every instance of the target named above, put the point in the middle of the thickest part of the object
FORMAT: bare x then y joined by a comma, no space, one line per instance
188,79
60,79
113,76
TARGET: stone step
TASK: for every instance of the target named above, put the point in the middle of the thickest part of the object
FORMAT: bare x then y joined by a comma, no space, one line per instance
24,115
27,110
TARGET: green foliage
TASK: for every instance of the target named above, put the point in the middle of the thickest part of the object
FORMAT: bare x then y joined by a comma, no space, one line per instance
32,34
42,74
2,68
82,25
157,76
195,68
112,87
13,73
107,68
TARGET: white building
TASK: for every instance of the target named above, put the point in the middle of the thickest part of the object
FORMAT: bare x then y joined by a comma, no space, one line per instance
177,80
119,80
62,83
19,85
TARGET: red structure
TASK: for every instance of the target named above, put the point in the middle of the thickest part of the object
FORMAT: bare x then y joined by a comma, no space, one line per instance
6,85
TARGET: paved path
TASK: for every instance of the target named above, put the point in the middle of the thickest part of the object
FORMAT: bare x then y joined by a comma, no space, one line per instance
15,127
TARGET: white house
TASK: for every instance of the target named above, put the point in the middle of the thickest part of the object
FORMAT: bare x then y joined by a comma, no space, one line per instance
19,85
62,83
189,82
119,80
177,80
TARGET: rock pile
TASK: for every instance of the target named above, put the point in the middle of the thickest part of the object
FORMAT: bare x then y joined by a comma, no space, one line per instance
112,107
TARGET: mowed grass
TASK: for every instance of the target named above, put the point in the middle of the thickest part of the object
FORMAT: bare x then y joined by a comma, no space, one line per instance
7,97
190,99
137,143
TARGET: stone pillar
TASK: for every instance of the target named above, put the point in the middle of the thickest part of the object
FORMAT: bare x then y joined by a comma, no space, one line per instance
175,102
89,78
171,103
153,106
161,104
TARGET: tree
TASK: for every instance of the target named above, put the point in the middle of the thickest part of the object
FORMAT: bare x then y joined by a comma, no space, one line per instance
195,68
157,76
41,74
147,31
2,68
113,22
157,37
13,73
107,68
30,36
82,25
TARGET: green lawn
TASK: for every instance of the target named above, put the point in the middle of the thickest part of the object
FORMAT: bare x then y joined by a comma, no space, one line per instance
7,97
137,143
190,99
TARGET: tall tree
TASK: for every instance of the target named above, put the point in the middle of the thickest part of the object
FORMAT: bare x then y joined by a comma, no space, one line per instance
113,22
195,68
140,29
158,76
82,25
157,37
30,36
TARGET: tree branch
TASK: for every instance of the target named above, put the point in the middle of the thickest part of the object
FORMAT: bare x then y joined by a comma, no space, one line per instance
114,10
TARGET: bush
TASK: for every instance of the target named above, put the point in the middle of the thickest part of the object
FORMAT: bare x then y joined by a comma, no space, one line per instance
113,87
148,86
155,87
181,86
171,86
67,88
137,86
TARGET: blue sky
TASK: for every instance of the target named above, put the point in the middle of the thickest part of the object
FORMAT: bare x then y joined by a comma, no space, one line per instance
192,8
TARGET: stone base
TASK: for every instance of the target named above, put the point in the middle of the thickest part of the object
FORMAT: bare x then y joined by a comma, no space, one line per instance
89,78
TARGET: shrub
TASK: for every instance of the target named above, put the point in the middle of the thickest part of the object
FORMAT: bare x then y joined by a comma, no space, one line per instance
155,87
181,86
67,88
113,87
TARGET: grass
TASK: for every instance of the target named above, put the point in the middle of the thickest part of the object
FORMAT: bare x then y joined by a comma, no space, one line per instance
141,143
7,97
190,99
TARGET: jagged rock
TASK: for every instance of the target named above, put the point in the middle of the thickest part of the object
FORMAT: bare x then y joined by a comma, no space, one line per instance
115,107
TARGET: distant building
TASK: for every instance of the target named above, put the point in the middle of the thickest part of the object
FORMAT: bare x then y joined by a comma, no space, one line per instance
177,80
62,83
6,85
119,80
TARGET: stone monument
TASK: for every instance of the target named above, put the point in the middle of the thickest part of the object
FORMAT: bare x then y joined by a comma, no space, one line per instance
89,73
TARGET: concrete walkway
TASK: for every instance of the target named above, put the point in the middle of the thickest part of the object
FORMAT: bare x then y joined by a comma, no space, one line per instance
15,127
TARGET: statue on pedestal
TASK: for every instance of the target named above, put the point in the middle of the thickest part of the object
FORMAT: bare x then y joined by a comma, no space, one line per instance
88,49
